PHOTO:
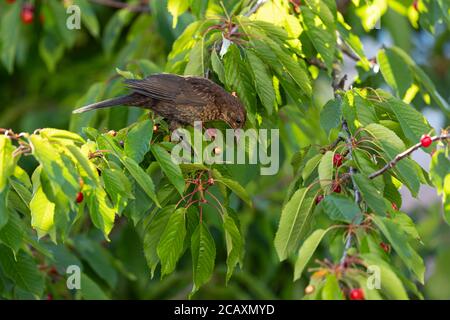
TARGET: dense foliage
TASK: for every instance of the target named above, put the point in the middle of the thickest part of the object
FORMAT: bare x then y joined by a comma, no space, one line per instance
101,192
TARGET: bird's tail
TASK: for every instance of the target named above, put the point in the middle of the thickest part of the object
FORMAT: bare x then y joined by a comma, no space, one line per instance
123,100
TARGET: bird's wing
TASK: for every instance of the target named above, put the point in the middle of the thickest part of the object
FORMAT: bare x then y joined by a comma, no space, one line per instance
197,91
164,87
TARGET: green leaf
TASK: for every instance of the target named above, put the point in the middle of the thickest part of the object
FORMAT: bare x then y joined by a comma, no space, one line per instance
12,233
331,290
392,145
10,35
118,187
98,258
326,170
306,251
196,61
61,136
203,256
440,177
396,73
141,177
7,161
137,141
321,30
407,224
412,122
439,169
101,210
294,68
84,162
263,81
330,115
114,28
399,241
239,78
391,285
170,246
424,80
372,196
217,66
51,49
294,221
91,290
310,166
125,74
4,216
59,17
236,188
177,8
88,17
153,234
42,214
340,208
22,270
169,167
234,243
58,170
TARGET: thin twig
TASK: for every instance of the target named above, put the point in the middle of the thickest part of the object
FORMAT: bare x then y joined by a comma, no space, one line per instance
406,153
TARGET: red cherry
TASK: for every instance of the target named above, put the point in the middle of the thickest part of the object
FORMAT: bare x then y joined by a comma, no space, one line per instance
27,14
49,297
80,197
336,188
357,294
337,159
394,206
319,198
386,247
426,141
53,271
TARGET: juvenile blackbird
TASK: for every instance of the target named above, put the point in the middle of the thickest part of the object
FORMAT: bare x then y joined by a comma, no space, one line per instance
181,100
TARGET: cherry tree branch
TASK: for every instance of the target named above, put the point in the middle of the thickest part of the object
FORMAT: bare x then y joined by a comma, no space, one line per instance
444,136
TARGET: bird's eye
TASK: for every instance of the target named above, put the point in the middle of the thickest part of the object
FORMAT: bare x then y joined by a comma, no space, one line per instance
238,121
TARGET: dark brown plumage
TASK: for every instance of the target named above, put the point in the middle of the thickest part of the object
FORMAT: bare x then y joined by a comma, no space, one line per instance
181,100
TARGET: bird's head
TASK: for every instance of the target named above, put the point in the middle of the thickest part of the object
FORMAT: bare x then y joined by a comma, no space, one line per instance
234,114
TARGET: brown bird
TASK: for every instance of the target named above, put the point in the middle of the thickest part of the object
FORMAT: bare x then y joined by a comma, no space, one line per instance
181,100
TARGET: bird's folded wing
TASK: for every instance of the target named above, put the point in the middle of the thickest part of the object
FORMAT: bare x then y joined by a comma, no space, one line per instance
167,87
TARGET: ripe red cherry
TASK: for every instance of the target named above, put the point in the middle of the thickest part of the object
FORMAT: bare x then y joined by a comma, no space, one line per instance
426,141
319,198
49,297
386,247
357,294
394,206
336,188
27,14
80,197
337,159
